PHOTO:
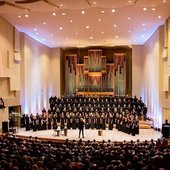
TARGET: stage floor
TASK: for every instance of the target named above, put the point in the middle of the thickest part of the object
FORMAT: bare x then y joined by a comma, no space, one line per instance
113,135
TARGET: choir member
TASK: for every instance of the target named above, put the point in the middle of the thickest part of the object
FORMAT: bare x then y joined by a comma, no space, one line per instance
27,122
110,121
54,121
92,126
98,121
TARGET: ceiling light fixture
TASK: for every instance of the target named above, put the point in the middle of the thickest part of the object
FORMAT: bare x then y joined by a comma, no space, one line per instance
94,2
54,14
113,10
44,23
144,9
83,12
102,32
129,18
35,29
153,9
19,16
26,15
51,35
63,13
114,25
61,28
87,27
91,38
116,37
99,19
71,20
159,17
102,11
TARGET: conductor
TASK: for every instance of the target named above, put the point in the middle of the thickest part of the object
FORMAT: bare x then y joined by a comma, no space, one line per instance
81,127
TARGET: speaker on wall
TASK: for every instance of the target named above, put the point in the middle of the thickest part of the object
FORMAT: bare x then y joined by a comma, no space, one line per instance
4,126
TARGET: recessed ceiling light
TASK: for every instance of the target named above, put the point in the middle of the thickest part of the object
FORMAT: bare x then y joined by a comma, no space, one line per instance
130,1
129,18
91,38
44,23
102,11
99,19
51,35
153,9
164,1
113,10
144,9
61,5
94,2
71,20
129,31
19,16
83,12
54,14
76,33
159,17
26,15
102,32
114,25
87,27
35,29
116,37
63,13
143,24
60,28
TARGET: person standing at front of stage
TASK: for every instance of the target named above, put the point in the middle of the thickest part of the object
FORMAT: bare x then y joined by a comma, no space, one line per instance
81,127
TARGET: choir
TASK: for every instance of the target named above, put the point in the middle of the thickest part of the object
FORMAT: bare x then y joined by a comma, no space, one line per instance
121,112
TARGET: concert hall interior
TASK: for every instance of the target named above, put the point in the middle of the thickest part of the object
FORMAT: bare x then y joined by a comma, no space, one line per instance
84,84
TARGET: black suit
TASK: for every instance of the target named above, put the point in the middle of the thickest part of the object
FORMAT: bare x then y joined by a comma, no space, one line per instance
81,127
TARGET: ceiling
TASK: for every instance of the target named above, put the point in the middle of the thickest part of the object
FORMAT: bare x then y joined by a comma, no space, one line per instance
79,23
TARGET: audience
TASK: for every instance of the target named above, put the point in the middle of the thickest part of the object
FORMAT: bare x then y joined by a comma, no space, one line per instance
31,154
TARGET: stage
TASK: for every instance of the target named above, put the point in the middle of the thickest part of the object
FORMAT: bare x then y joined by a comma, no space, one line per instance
89,134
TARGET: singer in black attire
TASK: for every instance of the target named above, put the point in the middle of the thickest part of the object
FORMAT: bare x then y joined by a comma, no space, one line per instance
81,127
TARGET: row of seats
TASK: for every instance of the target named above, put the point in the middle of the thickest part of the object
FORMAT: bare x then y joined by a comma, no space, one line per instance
32,154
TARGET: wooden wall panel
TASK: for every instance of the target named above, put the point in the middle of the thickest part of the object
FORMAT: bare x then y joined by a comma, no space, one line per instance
14,83
17,41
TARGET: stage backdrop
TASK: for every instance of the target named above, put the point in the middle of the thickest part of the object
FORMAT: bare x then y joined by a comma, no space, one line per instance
95,75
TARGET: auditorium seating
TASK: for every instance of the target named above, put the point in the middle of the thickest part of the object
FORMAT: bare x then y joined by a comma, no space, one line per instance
32,154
